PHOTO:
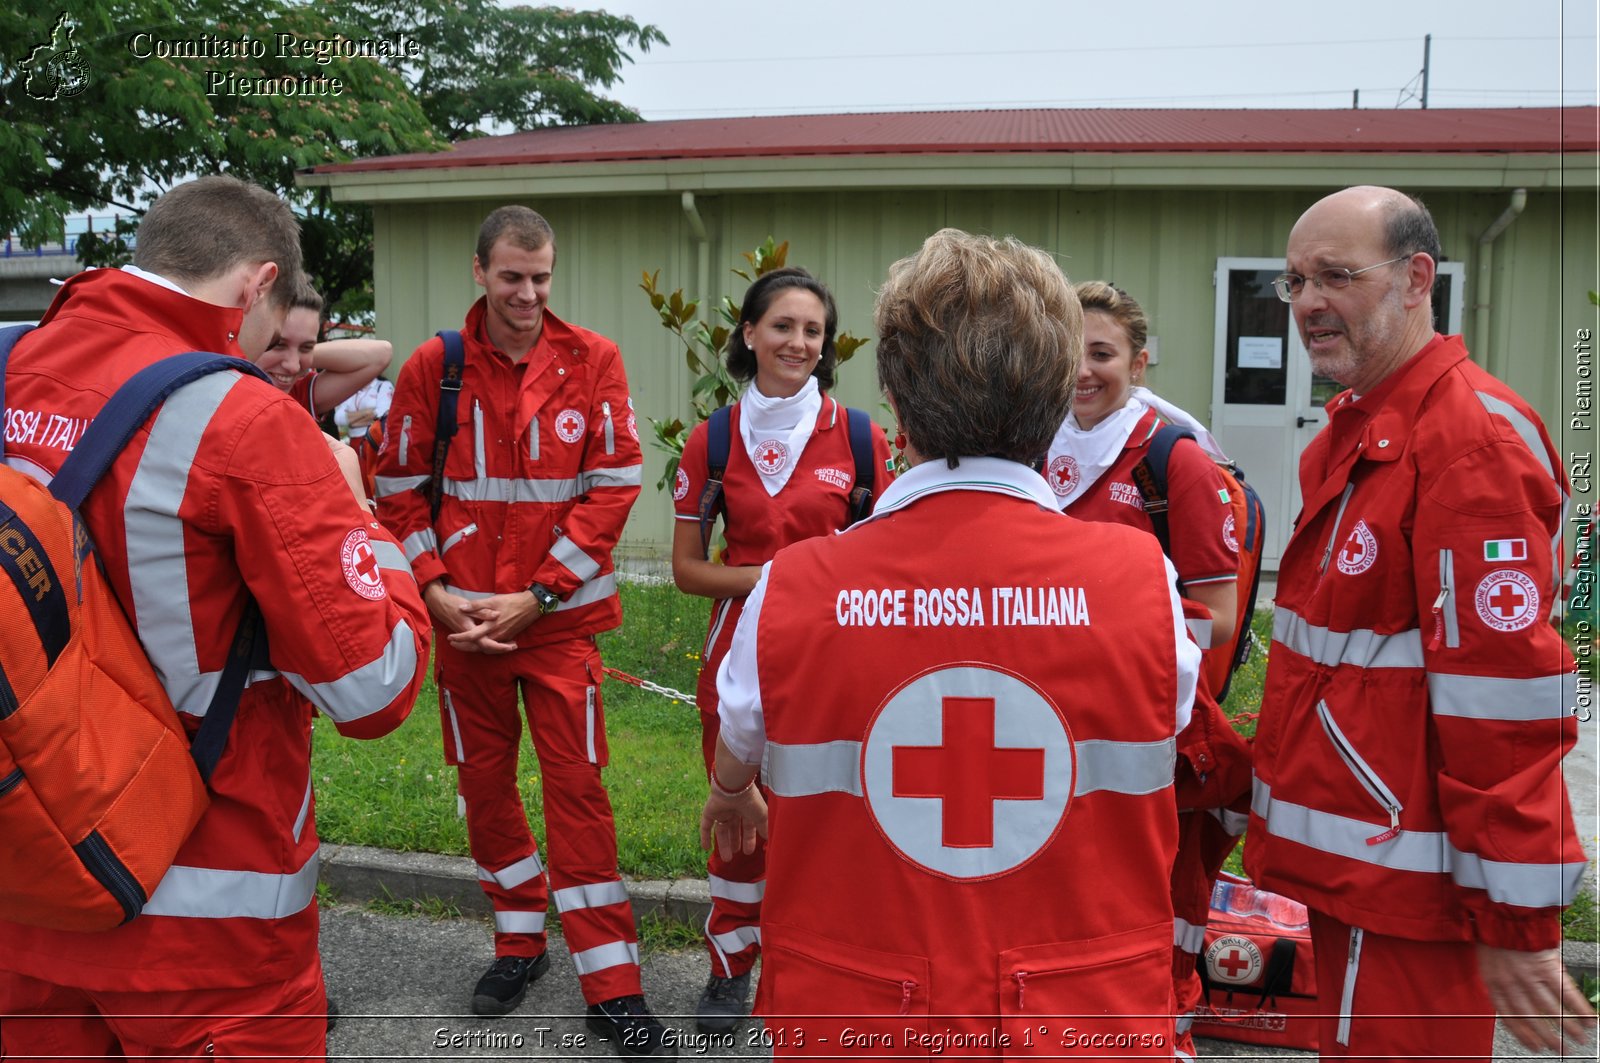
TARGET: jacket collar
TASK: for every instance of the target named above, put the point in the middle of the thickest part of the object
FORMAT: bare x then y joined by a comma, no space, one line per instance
1390,410
108,294
994,475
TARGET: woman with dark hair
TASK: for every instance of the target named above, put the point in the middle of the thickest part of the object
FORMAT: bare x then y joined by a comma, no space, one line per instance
789,474
964,709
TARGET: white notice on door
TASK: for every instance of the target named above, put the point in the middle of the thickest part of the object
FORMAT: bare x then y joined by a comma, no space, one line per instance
1260,352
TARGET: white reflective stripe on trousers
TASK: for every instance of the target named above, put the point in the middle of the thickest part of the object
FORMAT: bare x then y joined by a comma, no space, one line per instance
519,922
737,892
590,895
1428,852
611,954
513,874
212,893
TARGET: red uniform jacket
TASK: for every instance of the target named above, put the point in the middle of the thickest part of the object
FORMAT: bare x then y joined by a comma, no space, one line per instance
228,491
1408,758
541,473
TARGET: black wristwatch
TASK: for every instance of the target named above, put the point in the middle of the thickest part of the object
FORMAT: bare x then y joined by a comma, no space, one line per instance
547,601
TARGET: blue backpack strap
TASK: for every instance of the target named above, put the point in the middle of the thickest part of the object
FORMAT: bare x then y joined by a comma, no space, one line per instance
719,437
102,441
1151,477
8,340
444,429
860,427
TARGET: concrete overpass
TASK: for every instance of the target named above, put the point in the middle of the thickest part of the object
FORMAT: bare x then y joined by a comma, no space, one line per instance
25,288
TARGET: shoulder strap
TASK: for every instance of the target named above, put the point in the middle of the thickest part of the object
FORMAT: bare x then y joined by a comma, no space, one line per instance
719,439
1151,476
102,441
455,362
8,340
860,427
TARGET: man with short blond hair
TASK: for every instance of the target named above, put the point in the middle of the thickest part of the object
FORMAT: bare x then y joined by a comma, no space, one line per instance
1408,780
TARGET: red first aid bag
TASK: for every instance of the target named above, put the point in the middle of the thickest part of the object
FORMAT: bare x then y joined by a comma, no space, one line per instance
1259,981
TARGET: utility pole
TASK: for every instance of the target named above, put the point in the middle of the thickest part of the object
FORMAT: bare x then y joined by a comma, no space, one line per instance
1427,46
1355,100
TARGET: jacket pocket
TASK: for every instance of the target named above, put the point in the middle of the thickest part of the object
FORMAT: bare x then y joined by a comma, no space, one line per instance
828,997
465,456
1106,997
1364,774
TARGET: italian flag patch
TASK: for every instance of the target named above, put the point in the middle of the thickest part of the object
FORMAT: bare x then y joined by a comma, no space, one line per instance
1505,549
1222,495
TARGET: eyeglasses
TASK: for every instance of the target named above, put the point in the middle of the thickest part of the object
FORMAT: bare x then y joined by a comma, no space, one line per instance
1334,278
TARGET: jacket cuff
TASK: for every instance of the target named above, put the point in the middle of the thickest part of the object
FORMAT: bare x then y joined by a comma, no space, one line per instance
1536,932
556,578
427,568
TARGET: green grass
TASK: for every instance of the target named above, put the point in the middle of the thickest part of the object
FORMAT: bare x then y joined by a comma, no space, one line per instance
1581,922
397,793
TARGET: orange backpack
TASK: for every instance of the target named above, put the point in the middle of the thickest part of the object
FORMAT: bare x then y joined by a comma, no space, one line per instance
99,783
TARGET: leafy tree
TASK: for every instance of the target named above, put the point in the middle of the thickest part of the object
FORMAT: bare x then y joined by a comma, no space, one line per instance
144,122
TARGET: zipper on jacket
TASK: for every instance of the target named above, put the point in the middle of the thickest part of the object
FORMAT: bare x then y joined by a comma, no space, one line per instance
1338,518
470,529
1446,629
480,464
533,439
405,437
1022,985
10,782
102,862
1364,774
611,441
906,989
1347,994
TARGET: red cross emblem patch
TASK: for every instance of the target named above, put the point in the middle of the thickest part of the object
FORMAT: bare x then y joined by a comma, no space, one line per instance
680,486
1507,600
771,457
569,426
1359,551
1063,475
1234,960
1230,534
967,771
360,566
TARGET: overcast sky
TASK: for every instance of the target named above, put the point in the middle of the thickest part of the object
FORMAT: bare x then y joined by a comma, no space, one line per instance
750,58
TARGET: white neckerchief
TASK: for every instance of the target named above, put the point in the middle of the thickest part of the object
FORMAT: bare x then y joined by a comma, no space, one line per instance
1183,419
153,278
994,475
775,431
1078,457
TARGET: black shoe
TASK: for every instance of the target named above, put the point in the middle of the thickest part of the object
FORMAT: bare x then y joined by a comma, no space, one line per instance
333,1014
504,984
724,1002
627,1023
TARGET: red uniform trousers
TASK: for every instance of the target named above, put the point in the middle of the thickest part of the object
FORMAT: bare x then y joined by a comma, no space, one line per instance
1382,997
733,928
560,687
279,1020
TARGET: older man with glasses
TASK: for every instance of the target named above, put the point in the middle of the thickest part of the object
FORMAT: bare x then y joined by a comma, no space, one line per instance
1408,762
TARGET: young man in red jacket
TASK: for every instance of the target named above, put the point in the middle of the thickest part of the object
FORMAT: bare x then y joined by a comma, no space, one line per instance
512,546
228,493
1408,780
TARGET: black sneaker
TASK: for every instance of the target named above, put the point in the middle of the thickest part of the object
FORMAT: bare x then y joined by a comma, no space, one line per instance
504,984
627,1023
723,1003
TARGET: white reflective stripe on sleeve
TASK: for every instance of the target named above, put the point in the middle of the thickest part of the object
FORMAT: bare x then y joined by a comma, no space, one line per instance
738,939
211,893
501,489
808,770
304,813
1477,697
738,892
462,592
595,590
611,954
387,486
519,922
1181,1026
455,732
418,543
590,895
158,570
621,476
1187,936
574,559
1125,767
1199,630
513,874
389,556
1524,885
1523,427
369,688
1364,649
1232,822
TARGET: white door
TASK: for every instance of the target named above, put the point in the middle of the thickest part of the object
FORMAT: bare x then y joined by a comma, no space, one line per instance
1266,403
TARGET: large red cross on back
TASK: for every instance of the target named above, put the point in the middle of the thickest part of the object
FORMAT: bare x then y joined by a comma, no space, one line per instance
968,774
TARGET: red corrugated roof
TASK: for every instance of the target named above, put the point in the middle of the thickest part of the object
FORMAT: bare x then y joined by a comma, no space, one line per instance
1501,130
